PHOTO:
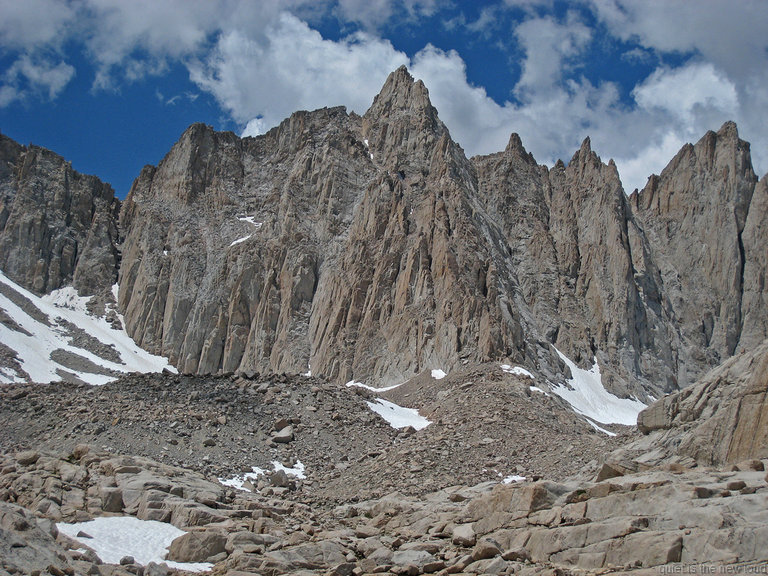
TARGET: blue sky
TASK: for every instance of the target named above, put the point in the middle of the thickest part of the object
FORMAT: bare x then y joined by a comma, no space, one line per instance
111,84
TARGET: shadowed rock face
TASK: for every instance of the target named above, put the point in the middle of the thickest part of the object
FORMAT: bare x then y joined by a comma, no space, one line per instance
694,217
722,419
57,226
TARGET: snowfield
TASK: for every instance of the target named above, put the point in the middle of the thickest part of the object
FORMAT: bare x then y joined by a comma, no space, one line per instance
115,537
397,416
587,395
37,338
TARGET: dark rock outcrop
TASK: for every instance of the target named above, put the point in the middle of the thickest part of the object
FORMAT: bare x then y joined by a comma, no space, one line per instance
57,227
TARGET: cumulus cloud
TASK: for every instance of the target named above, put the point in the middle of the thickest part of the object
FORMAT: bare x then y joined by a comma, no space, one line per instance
725,74
730,35
28,75
32,23
550,47
682,91
295,68
372,14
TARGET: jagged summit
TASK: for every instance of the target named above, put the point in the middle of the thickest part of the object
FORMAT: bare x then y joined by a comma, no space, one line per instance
401,92
401,126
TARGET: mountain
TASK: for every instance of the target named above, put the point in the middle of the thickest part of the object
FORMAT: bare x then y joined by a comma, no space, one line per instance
59,237
521,308
370,248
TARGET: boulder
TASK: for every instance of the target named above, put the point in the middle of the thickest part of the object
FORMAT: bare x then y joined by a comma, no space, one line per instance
464,535
197,546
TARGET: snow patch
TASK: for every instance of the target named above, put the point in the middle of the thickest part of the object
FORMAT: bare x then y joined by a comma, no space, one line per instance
240,240
516,370
537,389
397,416
118,536
438,374
60,306
513,478
599,429
238,482
371,388
297,470
251,220
587,395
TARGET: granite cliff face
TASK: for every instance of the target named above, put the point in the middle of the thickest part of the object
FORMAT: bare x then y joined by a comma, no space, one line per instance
57,226
719,420
694,217
372,248
343,243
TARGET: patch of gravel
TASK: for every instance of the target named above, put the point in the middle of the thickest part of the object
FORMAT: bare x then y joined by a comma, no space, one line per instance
79,363
9,360
485,426
11,324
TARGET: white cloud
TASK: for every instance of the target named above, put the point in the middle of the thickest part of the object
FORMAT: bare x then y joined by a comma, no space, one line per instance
636,169
726,77
728,34
294,69
255,127
36,76
551,47
263,63
31,23
372,14
369,13
681,91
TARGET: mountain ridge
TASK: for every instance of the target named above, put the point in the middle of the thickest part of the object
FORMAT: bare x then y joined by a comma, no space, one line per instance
369,247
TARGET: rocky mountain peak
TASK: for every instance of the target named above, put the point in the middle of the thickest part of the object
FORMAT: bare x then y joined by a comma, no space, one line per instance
371,248
515,148
585,156
693,215
401,92
401,126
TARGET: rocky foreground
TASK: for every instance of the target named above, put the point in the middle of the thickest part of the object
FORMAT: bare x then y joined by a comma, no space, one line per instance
376,499
626,523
